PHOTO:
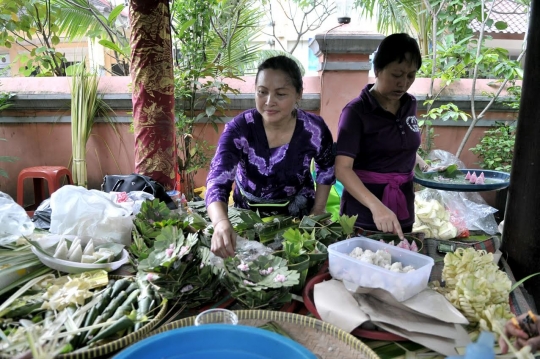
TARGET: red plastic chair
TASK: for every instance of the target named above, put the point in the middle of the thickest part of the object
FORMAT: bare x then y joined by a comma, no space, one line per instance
53,176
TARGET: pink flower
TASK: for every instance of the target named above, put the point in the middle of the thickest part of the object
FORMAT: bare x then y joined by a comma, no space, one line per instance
243,267
183,251
151,277
280,278
202,265
122,197
169,251
266,271
247,282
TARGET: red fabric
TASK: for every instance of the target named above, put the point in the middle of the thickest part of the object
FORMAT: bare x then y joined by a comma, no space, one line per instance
153,91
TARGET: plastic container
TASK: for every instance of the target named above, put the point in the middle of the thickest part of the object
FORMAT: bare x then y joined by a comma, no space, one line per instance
216,341
216,316
401,285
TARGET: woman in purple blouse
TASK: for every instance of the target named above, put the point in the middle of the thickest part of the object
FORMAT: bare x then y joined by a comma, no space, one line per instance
378,140
267,153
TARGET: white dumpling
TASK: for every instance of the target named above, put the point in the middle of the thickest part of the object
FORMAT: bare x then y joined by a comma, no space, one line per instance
61,250
88,259
89,248
76,254
76,242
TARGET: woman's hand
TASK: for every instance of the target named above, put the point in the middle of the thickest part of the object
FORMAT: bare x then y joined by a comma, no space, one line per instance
522,339
223,239
316,210
386,220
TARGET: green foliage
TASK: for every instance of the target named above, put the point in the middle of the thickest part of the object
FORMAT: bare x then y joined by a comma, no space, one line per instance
444,112
496,148
460,53
38,25
4,103
212,42
178,266
264,282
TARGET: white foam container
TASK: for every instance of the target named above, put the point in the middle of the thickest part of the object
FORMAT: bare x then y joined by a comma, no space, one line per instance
74,267
401,285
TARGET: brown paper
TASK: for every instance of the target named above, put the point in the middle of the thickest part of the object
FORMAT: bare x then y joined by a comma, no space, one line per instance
428,302
427,318
337,306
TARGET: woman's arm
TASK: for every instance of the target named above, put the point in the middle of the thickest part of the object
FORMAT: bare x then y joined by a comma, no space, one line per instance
321,197
218,188
224,237
421,163
383,217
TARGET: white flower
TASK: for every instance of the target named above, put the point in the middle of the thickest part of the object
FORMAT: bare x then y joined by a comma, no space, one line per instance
280,278
187,288
247,282
151,277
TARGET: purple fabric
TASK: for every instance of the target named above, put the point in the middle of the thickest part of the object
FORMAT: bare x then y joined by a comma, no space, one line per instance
380,142
277,173
393,196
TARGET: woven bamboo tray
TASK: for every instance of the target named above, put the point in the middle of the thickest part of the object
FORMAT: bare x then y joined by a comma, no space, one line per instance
323,339
119,343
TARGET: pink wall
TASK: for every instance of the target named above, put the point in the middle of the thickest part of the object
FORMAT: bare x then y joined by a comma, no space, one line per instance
50,143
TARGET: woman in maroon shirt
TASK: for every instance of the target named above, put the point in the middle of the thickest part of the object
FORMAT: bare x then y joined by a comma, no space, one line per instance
378,140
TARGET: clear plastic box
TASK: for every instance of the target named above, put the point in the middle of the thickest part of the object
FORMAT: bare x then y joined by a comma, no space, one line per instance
401,285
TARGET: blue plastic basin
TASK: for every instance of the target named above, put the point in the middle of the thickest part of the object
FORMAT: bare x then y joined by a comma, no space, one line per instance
216,341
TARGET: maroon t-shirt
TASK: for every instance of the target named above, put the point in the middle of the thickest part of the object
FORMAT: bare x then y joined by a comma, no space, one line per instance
379,141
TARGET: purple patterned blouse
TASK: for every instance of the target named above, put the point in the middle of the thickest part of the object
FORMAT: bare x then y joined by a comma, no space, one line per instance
279,176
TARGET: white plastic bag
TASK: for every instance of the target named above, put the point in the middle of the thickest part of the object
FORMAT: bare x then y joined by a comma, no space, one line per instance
89,213
441,158
132,201
467,208
14,222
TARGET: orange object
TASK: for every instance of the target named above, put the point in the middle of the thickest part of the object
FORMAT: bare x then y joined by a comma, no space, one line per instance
52,174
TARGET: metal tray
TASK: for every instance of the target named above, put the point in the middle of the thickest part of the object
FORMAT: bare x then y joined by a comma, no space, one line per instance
497,179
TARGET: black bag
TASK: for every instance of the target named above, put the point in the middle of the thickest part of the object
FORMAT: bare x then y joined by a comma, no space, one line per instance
42,215
137,182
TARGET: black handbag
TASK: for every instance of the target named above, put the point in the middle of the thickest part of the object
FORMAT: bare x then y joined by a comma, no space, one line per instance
137,182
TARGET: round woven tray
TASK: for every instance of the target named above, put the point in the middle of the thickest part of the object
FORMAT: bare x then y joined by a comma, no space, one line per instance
323,339
119,343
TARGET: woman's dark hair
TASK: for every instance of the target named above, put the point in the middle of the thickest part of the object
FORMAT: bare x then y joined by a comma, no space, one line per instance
394,47
287,65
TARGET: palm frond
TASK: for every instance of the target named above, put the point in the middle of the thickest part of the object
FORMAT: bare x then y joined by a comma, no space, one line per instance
77,21
239,50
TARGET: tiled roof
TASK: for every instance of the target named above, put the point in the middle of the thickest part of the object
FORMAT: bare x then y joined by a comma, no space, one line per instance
509,11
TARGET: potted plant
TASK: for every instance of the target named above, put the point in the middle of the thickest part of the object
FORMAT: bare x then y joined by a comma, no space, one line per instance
496,151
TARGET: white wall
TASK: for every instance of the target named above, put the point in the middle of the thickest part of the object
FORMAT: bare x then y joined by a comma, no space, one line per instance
287,34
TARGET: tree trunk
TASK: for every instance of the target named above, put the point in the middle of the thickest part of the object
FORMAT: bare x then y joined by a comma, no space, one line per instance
521,224
153,90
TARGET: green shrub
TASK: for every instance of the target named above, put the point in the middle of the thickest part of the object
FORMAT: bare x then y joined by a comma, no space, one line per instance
496,148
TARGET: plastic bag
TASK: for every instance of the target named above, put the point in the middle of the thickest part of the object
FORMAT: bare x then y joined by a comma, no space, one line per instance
131,201
42,215
246,250
90,213
441,158
467,210
14,221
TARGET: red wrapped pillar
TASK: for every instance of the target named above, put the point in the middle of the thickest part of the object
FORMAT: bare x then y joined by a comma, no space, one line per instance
153,90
